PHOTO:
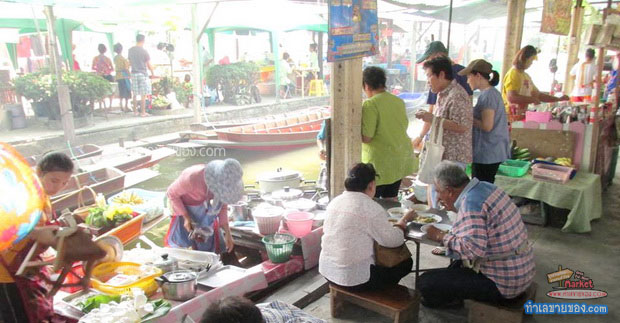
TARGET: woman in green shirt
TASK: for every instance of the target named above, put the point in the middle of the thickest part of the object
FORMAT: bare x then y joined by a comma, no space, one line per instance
384,134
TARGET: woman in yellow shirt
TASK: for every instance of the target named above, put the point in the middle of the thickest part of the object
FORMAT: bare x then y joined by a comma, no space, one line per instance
25,299
518,90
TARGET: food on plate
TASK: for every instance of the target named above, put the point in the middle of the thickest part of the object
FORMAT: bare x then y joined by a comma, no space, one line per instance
128,198
424,219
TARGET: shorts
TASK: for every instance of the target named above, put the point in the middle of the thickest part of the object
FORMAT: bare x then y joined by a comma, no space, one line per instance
140,84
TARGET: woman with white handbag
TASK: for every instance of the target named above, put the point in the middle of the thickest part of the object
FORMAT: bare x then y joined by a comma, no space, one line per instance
451,120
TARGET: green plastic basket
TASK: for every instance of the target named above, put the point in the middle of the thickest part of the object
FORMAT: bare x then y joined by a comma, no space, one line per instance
514,168
279,250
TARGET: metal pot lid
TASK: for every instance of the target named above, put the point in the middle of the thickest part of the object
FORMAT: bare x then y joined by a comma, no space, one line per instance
287,193
180,276
279,175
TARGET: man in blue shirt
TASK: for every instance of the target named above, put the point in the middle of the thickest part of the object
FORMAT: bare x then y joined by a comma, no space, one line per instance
436,49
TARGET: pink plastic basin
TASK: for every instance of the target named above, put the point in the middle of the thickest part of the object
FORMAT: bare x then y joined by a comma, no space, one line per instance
299,223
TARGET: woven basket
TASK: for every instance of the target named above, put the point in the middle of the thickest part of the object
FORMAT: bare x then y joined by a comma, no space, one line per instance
83,209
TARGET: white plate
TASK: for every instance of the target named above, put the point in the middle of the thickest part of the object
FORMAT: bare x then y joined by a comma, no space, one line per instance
420,208
397,212
436,217
440,226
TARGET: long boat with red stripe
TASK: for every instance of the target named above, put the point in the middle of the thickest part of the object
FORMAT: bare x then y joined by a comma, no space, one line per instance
283,134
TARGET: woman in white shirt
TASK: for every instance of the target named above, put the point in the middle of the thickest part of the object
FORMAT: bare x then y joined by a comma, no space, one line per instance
354,221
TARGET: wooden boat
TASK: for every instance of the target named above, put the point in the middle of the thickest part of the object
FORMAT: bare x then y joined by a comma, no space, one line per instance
105,181
125,160
157,155
272,145
77,152
210,127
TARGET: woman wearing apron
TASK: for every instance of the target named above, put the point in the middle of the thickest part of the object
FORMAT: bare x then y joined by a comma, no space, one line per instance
25,299
198,199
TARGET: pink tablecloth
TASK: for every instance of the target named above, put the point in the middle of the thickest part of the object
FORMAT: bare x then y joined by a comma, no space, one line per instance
196,306
274,272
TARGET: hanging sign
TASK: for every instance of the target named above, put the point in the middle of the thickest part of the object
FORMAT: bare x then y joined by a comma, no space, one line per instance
556,17
353,29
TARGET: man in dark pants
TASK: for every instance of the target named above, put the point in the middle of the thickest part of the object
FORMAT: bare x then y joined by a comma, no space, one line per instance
488,239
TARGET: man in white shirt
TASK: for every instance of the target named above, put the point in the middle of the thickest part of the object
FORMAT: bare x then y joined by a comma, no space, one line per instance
584,73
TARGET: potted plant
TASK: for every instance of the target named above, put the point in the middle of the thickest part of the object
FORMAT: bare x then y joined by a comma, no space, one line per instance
237,81
184,91
36,87
85,89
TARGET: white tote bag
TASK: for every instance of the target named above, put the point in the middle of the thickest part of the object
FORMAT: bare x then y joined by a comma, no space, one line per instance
432,153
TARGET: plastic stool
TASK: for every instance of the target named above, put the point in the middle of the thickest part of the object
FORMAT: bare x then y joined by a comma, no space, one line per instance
316,88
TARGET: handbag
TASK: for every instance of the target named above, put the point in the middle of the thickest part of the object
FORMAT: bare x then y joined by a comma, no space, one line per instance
390,257
432,154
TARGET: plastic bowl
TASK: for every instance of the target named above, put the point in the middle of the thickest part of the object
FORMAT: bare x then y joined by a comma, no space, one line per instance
299,223
268,219
279,247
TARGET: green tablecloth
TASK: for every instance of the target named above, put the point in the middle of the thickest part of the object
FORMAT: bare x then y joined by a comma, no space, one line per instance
581,195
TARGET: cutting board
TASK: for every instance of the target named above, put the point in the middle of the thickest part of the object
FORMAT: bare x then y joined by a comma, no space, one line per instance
545,143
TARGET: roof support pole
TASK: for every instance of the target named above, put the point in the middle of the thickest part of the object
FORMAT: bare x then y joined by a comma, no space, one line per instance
600,61
64,99
196,62
574,38
514,32
346,126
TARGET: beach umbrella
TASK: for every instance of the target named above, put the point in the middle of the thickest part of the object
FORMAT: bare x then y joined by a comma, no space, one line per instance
22,199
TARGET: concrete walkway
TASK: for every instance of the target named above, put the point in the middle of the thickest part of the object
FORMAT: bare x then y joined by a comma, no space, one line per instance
596,254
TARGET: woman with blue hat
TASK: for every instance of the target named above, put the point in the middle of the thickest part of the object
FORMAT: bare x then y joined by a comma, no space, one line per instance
198,199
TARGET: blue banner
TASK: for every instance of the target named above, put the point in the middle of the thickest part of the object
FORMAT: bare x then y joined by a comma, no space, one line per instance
353,29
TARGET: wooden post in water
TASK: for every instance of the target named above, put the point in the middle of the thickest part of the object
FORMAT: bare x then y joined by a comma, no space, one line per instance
514,32
196,81
574,38
64,99
346,125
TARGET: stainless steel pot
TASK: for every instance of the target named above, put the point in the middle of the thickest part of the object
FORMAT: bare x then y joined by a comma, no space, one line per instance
239,212
166,264
179,285
272,181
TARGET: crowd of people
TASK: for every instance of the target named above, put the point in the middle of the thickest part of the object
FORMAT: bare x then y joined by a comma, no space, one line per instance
492,260
488,242
131,73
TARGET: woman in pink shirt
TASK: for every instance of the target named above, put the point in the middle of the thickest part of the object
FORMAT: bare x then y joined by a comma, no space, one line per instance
199,198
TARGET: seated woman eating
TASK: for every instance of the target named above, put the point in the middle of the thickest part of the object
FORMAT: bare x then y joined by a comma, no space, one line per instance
353,223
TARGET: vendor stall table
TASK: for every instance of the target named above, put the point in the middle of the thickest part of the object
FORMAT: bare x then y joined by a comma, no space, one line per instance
581,195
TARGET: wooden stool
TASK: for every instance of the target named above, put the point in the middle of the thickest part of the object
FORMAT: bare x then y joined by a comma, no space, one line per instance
510,311
398,302
316,88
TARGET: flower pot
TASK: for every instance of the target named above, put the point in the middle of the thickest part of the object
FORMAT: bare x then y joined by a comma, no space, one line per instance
41,109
